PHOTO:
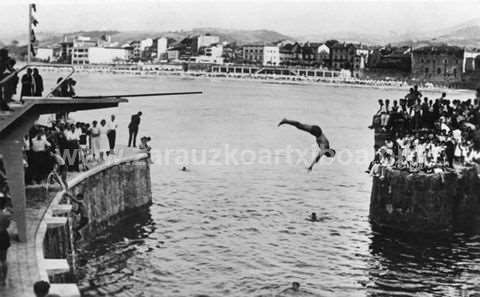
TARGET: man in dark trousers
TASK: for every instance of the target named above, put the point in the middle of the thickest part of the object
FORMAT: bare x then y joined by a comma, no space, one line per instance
133,129
27,84
37,83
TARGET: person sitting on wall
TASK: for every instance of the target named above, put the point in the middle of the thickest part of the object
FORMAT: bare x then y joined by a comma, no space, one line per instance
144,146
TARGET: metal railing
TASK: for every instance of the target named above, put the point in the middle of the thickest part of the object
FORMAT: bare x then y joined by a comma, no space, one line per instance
17,71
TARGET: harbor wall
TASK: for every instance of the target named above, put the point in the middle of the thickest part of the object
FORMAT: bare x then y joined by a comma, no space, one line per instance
425,203
111,192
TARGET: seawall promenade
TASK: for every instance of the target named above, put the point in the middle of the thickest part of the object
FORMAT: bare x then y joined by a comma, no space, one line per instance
112,190
152,70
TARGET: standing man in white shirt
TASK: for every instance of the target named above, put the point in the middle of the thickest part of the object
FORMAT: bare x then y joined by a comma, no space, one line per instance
112,133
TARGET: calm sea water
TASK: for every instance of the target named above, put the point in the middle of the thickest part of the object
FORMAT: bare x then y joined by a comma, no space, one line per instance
240,230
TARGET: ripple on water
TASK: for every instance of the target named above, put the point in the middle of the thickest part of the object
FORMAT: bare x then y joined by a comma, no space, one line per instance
241,230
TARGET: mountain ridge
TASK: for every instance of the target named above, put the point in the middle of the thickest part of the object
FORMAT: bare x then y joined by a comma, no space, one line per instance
466,34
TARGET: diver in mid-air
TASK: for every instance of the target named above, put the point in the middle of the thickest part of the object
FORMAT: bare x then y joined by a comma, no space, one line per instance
320,138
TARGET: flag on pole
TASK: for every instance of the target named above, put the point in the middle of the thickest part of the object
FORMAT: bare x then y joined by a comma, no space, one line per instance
32,50
34,21
33,38
34,7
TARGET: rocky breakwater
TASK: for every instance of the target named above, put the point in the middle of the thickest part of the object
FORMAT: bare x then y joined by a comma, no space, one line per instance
425,203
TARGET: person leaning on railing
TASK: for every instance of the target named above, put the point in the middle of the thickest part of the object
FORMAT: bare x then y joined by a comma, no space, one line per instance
6,68
10,88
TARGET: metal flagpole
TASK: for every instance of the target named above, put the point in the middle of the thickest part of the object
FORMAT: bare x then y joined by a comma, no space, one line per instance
29,46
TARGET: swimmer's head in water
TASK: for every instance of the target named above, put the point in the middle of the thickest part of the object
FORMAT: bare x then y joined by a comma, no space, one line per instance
316,131
295,286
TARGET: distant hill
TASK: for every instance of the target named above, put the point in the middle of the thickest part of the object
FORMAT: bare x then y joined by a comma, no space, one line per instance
244,36
466,34
230,35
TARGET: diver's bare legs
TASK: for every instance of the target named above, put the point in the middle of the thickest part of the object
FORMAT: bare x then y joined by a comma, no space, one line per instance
298,125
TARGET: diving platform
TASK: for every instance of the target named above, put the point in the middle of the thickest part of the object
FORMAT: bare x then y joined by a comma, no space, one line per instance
15,124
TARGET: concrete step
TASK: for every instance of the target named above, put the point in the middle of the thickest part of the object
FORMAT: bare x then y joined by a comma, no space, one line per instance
55,222
55,266
65,290
61,209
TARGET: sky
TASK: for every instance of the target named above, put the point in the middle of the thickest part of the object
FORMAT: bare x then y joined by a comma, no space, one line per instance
295,18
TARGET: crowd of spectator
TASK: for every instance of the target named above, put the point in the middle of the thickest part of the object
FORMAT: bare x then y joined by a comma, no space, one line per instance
66,146
424,135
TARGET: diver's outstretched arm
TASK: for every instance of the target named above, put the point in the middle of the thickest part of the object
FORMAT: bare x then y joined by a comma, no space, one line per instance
317,158
298,125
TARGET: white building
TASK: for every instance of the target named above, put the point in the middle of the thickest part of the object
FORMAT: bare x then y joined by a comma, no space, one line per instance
162,48
45,54
107,55
253,53
262,54
81,44
469,57
80,55
204,41
271,55
322,54
173,55
145,43
214,51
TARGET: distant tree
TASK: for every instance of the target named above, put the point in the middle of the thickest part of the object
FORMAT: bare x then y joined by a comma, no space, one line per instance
14,43
331,42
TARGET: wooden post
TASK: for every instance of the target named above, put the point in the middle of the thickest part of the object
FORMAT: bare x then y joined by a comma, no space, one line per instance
29,45
13,161
11,147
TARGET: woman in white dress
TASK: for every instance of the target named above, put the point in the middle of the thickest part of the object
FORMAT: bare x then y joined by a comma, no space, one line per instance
104,145
95,138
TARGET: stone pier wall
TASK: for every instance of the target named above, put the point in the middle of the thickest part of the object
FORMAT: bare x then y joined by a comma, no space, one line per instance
424,202
111,192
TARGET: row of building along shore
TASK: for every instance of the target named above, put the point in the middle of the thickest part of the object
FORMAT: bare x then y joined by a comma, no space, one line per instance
445,65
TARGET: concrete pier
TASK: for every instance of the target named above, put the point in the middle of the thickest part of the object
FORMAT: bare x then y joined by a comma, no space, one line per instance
423,203
111,191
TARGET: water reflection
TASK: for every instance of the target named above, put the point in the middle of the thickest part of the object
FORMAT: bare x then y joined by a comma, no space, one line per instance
405,265
102,265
